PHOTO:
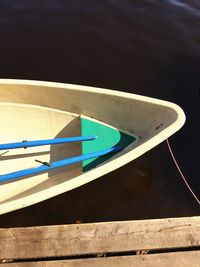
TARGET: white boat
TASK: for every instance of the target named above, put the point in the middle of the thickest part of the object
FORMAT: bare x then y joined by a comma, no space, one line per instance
120,125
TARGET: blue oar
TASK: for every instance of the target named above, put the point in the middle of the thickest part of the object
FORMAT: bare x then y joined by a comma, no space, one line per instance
56,164
25,144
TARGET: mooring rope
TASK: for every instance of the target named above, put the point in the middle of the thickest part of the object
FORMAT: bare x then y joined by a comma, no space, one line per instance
179,170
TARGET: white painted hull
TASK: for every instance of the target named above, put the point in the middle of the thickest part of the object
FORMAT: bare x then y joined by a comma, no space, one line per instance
41,110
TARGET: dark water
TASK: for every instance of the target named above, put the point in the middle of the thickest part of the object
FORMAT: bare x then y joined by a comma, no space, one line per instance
146,47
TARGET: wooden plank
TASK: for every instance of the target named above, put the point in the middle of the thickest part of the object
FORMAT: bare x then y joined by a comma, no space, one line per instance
80,239
183,259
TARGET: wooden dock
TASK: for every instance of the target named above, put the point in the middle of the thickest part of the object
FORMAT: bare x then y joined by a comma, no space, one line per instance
161,242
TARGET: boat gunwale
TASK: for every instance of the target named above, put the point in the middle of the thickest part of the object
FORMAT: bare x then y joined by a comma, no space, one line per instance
124,157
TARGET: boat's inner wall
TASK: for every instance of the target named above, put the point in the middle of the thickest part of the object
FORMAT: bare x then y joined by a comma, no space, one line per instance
29,122
145,119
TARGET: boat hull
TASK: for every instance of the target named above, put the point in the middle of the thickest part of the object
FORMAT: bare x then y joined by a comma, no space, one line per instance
47,110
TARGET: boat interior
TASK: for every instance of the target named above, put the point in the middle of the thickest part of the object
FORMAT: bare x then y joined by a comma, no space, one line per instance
25,123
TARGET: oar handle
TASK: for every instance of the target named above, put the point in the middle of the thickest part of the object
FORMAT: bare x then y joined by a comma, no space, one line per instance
25,144
57,164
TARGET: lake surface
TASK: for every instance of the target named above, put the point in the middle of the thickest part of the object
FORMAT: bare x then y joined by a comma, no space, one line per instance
145,47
